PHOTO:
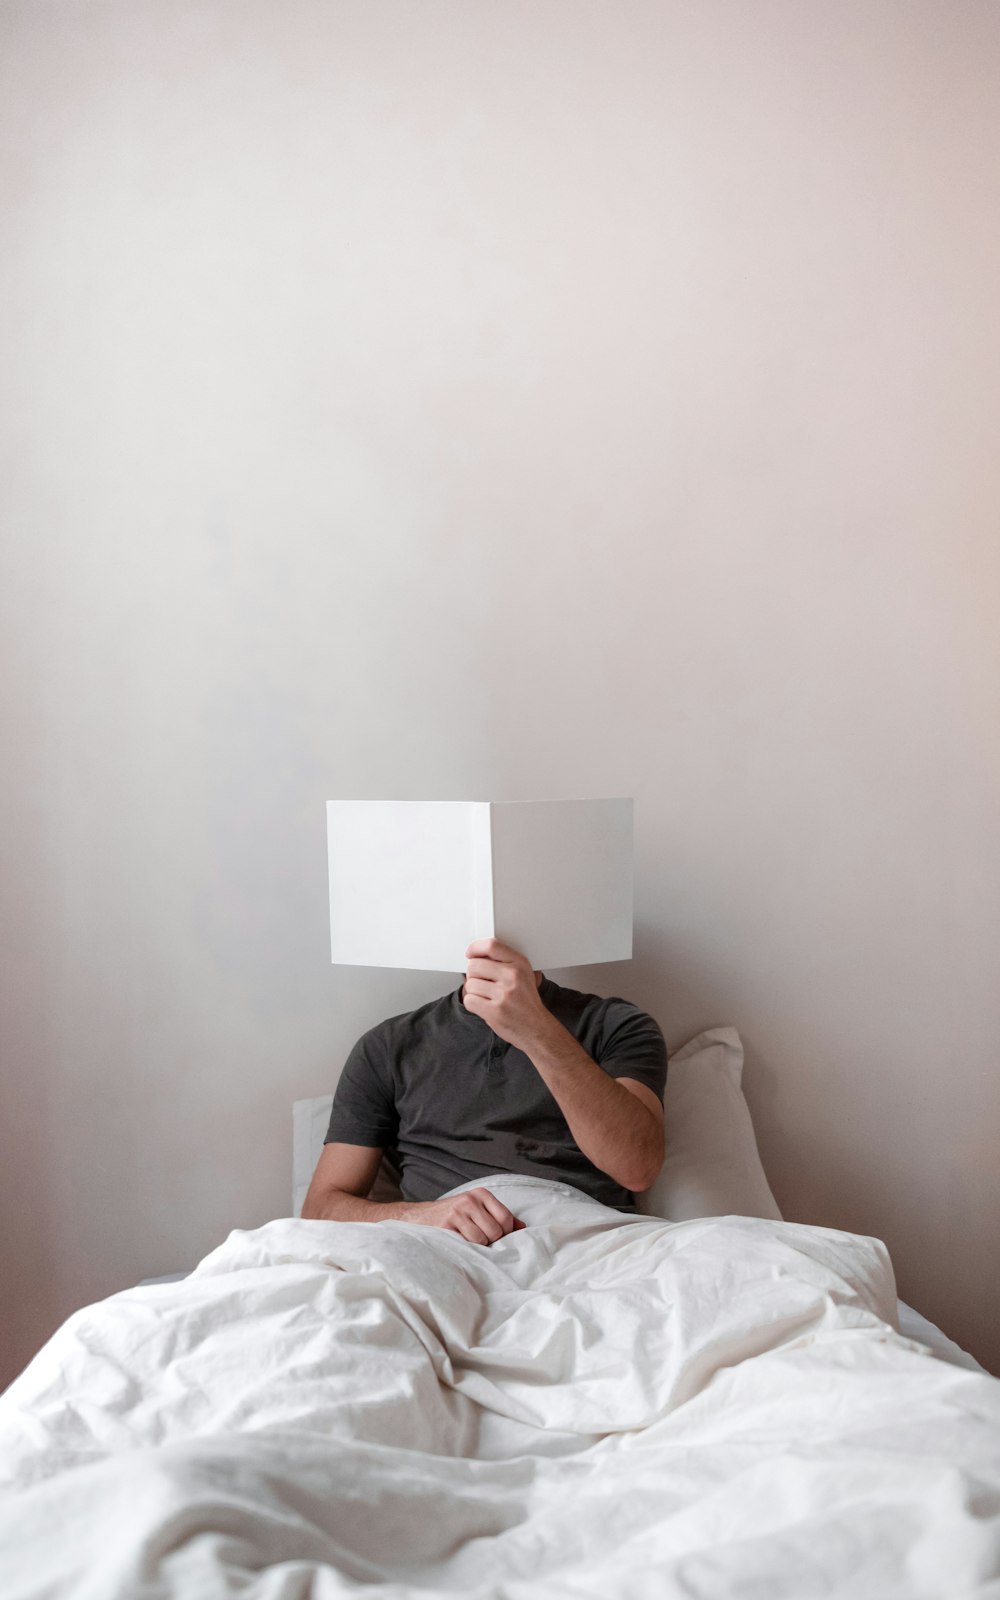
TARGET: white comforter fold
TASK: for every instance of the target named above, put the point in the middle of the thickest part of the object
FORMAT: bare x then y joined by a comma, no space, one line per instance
594,1406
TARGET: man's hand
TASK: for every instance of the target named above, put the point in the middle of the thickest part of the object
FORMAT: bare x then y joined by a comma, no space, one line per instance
476,1214
502,989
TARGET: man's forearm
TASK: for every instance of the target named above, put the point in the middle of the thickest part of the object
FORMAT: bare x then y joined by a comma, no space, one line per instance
338,1205
610,1124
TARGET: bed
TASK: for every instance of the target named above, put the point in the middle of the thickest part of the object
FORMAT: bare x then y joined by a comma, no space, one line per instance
693,1402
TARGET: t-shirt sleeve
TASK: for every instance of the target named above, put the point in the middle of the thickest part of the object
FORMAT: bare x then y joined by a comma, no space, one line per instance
364,1107
633,1046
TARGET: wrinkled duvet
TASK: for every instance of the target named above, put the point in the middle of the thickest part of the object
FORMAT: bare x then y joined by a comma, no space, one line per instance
593,1407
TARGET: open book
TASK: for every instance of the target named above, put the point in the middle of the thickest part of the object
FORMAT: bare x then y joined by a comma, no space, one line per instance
413,882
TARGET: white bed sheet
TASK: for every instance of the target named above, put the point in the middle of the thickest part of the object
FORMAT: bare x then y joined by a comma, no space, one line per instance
594,1406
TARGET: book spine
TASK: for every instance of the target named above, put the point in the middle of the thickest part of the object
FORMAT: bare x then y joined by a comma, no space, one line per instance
482,870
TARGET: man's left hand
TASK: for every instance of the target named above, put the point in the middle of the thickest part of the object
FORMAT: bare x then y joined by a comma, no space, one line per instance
502,988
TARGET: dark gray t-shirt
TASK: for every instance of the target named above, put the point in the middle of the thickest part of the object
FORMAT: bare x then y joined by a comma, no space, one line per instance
449,1101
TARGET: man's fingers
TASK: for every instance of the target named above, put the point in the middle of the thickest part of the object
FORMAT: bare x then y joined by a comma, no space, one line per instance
475,1211
480,988
486,970
481,1218
494,950
485,1228
467,1229
496,1208
488,1225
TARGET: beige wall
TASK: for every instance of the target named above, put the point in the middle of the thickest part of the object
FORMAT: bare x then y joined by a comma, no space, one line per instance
498,401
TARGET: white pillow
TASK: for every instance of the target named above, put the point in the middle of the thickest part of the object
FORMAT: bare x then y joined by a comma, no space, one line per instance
310,1120
712,1167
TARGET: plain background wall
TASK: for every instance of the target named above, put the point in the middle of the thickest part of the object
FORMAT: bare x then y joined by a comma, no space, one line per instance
497,401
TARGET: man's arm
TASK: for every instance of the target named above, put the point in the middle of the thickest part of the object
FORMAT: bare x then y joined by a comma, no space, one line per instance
345,1173
613,1120
618,1123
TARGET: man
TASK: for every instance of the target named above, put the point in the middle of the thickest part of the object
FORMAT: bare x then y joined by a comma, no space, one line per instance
509,1073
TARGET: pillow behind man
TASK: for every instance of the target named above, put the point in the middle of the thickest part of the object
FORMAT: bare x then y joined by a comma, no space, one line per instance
712,1167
